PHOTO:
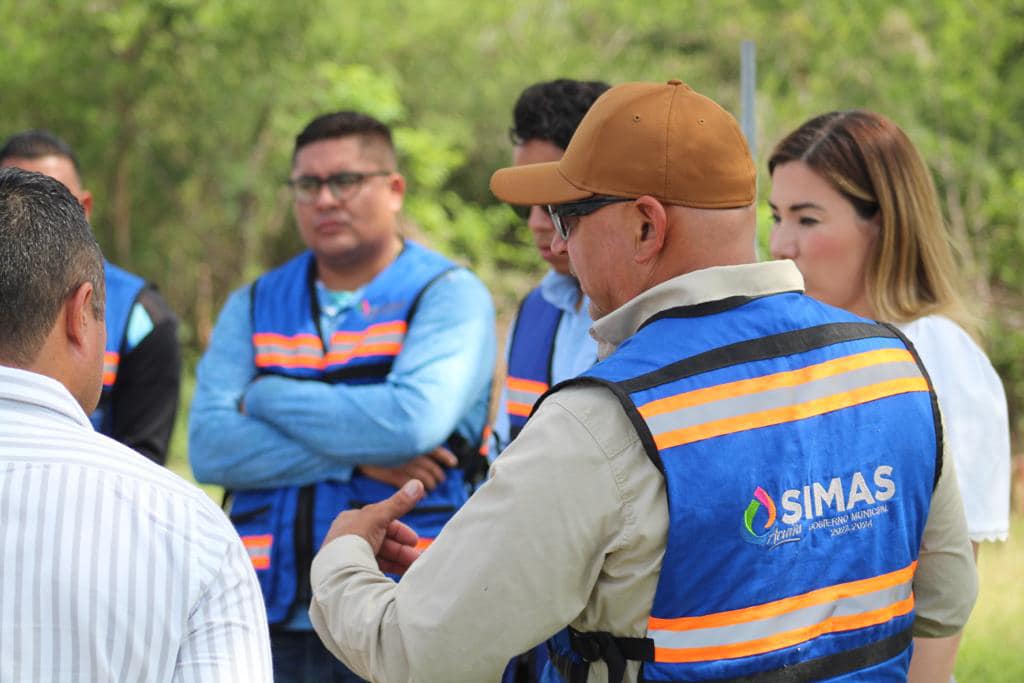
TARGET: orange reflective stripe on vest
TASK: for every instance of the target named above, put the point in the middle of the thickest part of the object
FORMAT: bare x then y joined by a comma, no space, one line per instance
521,394
382,339
111,359
782,397
258,547
306,350
784,623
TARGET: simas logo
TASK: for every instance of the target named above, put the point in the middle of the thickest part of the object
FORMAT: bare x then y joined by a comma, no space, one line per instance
839,507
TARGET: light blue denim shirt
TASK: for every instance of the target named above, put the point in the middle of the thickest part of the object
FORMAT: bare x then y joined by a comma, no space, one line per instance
575,350
259,432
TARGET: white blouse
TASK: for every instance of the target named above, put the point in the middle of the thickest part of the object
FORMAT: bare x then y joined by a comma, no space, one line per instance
974,414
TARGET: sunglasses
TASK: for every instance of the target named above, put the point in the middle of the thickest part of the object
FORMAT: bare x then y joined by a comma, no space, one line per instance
342,186
564,216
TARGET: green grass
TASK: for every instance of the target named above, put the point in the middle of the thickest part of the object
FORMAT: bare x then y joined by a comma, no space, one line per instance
992,648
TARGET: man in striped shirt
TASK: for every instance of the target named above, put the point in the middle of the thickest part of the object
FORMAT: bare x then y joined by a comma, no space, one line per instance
114,569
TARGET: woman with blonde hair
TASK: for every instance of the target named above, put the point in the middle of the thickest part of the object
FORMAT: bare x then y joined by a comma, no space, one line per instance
854,206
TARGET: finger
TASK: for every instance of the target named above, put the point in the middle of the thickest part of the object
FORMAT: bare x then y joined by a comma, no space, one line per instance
389,567
402,533
444,456
396,552
401,502
432,467
396,557
426,471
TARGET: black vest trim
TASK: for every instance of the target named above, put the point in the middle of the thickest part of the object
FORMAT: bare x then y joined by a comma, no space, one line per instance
829,666
936,414
707,307
639,424
416,302
762,348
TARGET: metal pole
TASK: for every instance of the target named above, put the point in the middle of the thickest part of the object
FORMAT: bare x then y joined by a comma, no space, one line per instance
748,84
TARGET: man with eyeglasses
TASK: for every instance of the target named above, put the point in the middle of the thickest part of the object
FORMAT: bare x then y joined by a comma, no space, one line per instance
549,339
337,377
747,486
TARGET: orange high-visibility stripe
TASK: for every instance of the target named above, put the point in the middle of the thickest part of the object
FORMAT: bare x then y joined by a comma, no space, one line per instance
258,547
527,385
333,358
518,409
290,361
777,607
349,337
791,413
111,359
381,349
294,342
778,380
787,639
423,543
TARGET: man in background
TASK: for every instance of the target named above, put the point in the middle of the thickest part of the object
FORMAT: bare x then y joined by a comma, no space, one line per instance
113,568
550,338
142,361
328,378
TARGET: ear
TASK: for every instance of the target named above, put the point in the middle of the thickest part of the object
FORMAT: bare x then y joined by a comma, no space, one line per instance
85,199
396,183
79,321
652,231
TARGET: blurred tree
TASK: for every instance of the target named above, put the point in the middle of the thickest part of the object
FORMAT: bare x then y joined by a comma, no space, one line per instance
184,113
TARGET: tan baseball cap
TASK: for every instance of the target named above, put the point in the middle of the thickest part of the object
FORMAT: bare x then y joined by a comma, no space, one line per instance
663,140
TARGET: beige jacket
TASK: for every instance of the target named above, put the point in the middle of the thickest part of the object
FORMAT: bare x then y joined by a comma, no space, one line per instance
569,529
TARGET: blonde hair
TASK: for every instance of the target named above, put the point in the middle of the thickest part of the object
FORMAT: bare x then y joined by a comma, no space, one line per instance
869,160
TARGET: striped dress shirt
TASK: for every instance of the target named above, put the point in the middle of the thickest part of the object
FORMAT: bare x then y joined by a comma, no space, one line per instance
113,568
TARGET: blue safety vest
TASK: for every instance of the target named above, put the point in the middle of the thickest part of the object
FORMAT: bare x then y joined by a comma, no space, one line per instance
123,289
283,527
530,354
800,446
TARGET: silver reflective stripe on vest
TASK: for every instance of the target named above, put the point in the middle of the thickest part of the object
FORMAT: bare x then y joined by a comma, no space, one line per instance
781,397
805,618
520,396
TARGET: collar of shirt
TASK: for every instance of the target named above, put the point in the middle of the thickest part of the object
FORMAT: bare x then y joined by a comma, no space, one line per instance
335,302
44,392
562,291
701,286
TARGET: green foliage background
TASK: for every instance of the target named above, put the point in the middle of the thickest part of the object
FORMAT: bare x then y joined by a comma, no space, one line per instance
183,113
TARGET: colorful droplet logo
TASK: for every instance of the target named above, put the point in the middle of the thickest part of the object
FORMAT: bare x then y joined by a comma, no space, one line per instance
761,498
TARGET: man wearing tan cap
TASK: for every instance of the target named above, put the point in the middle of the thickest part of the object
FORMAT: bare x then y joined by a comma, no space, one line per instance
749,484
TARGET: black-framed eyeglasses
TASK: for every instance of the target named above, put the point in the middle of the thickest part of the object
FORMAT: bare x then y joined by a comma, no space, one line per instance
562,215
342,185
521,211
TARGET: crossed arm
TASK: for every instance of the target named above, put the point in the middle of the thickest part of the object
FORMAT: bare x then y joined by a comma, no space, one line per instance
247,431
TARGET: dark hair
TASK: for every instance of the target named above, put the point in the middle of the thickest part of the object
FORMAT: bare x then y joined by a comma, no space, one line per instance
553,110
35,144
343,124
47,251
